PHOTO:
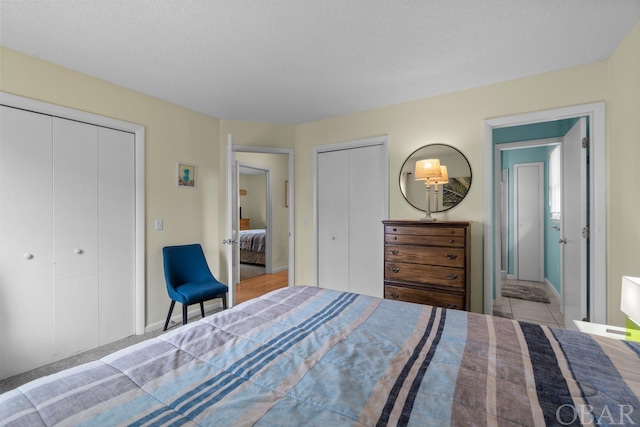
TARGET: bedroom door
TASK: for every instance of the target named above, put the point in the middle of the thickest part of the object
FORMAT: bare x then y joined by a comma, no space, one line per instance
351,202
573,244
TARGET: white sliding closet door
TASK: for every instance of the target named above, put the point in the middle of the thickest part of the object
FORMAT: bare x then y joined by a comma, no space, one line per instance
75,237
26,258
351,197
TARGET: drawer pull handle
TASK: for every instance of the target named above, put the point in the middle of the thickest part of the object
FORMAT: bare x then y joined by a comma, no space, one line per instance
451,305
450,231
394,269
394,296
395,229
395,252
452,276
451,241
452,256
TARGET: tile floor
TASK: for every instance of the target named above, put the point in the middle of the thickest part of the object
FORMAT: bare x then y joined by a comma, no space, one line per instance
533,312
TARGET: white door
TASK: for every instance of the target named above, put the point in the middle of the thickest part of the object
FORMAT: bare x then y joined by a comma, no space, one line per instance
26,233
75,225
351,197
231,228
367,210
574,218
333,220
116,234
528,215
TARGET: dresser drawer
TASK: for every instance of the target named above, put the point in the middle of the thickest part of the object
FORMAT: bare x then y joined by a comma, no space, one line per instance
419,274
448,257
423,296
449,241
425,231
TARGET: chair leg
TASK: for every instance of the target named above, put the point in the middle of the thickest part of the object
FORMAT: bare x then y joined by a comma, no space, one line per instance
166,324
224,301
202,309
184,314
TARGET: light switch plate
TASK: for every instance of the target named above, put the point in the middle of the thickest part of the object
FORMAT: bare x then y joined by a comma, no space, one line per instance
159,224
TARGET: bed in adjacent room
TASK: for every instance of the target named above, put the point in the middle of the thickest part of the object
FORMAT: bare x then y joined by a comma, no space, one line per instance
252,246
309,356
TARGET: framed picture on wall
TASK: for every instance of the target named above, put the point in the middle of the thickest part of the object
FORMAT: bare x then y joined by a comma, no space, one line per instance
186,175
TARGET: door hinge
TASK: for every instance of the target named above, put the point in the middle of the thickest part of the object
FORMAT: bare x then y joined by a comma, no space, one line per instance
586,233
585,142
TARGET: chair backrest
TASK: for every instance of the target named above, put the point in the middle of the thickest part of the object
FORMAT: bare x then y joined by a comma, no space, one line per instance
185,264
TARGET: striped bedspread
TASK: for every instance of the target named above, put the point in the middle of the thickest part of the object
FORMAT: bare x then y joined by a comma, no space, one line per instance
304,356
252,240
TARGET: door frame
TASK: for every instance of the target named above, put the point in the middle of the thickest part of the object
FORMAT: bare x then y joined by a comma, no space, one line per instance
597,200
516,213
16,101
229,228
345,145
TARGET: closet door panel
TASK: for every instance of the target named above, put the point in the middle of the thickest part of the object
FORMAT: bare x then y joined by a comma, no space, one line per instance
366,213
26,233
75,157
75,184
116,234
333,220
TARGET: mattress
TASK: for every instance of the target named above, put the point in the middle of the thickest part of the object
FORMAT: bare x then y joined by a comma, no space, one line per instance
309,356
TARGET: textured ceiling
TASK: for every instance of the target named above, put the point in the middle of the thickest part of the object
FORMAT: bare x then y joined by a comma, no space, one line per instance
296,61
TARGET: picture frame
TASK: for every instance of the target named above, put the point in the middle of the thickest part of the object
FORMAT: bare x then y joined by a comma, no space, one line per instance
186,175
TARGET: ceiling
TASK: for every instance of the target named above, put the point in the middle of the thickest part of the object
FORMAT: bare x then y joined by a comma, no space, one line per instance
298,61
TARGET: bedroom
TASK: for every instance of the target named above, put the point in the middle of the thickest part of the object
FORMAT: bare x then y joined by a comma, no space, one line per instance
176,133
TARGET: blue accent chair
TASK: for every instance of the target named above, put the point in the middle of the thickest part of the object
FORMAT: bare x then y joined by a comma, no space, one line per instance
189,280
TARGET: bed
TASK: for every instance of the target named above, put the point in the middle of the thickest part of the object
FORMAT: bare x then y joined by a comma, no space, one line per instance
252,244
308,356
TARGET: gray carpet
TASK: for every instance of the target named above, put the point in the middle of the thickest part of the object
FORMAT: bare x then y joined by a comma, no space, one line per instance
88,356
528,293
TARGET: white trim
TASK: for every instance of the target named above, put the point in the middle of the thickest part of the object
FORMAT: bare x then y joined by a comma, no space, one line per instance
598,242
139,132
346,145
292,192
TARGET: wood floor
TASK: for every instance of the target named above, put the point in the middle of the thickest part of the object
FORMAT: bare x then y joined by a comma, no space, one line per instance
260,285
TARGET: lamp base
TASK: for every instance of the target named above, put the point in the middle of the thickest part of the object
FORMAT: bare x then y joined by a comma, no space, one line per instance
427,218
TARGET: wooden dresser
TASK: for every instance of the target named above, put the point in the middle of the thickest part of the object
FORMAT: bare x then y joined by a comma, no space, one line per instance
245,223
428,262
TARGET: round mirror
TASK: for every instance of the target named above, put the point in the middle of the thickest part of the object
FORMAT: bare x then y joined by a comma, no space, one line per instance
443,196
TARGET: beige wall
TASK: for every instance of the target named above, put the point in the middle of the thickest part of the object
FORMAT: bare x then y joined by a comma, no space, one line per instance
455,119
178,134
623,154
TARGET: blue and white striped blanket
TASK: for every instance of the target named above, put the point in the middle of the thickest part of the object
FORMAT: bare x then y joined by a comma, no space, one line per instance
304,356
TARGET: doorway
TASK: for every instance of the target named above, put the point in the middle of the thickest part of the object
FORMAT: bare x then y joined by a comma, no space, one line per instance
280,209
595,287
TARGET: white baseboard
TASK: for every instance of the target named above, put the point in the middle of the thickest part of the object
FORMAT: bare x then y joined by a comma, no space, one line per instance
279,269
511,277
192,312
555,292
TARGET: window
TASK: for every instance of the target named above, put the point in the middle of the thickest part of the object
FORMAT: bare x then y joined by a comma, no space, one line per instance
555,184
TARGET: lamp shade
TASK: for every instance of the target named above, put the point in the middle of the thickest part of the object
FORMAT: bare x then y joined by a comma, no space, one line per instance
426,169
630,298
443,178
